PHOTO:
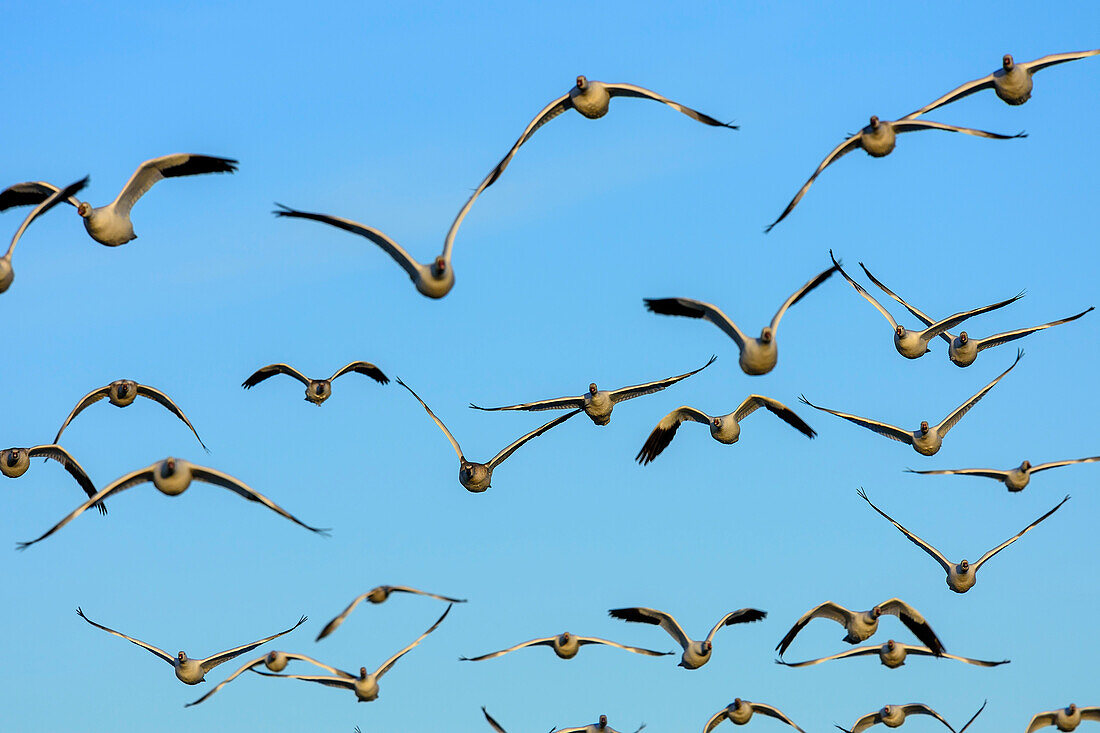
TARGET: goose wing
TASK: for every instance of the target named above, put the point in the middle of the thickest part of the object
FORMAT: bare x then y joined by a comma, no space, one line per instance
257,661
915,622
29,193
921,651
164,400
362,367
986,472
75,470
582,640
950,421
492,723
1016,536
864,293
715,720
907,125
1092,713
454,443
1056,464
168,166
850,144
1003,338
1057,58
270,371
407,589
740,616
548,641
919,708
971,87
697,309
215,659
390,662
335,623
799,295
864,723
347,683
936,554
774,713
862,651
923,318
1042,720
48,203
828,609
217,478
940,327
87,400
652,616
665,431
559,403
509,450
631,90
890,431
754,402
628,393
149,647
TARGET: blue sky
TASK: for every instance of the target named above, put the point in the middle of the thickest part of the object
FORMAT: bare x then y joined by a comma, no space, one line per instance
390,115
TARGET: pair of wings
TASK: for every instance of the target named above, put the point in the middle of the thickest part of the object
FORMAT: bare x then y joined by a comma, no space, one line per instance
756,708
143,391
908,615
1042,720
866,651
581,640
1002,475
669,624
359,367
335,623
43,195
63,457
913,708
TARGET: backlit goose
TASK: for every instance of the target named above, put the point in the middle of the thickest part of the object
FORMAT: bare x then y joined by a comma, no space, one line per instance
1016,479
963,350
14,462
928,439
739,712
878,139
365,686
1066,719
433,280
892,716
172,476
566,646
1011,82
914,344
475,477
193,671
723,428
696,653
600,727
317,390
275,661
44,204
110,224
121,393
891,654
862,625
758,355
377,595
598,403
961,576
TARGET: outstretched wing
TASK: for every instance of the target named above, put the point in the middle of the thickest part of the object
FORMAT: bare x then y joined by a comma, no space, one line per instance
922,317
75,470
799,294
1042,720
558,403
862,651
362,367
940,327
454,443
407,589
740,616
335,623
631,90
159,652
920,651
89,399
509,450
638,390
890,431
1017,536
859,289
492,723
986,472
215,659
652,616
665,431
390,662
915,622
828,609
950,421
844,148
1057,58
217,478
168,166
936,554
971,87
270,371
754,402
50,201
164,400
919,708
28,193
260,660
774,713
1003,338
1056,464
548,641
916,125
696,309
582,640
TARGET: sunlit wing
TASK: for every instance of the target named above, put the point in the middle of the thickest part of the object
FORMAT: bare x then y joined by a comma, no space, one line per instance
168,166
697,309
850,144
951,420
638,390
451,438
799,294
509,450
149,647
221,657
164,400
932,551
217,478
390,662
1015,537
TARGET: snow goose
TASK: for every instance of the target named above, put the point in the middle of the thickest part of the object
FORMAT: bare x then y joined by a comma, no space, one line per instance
365,686
892,654
758,355
928,439
110,224
892,716
914,344
961,576
598,403
566,646
963,350
1065,719
377,595
696,653
193,671
172,476
43,204
878,139
739,712
473,476
862,625
122,393
1012,82
275,661
1016,479
317,390
723,428
14,462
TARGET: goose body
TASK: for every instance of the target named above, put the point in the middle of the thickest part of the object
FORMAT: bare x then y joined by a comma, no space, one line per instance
122,393
1064,719
892,654
317,390
893,716
740,712
696,653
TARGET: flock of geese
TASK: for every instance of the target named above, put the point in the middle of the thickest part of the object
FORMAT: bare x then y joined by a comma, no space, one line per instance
111,226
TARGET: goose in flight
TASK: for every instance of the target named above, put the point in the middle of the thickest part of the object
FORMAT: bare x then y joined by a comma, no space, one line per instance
110,224
193,671
365,686
892,716
598,403
961,576
14,462
317,390
723,428
473,476
696,653
172,476
739,712
123,392
892,654
878,139
963,350
1065,719
1012,82
1016,479
377,595
861,625
599,727
44,204
914,344
566,646
275,661
928,439
758,355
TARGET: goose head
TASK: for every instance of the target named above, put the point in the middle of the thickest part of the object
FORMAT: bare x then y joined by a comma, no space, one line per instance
167,468
1007,63
181,656
876,612
439,266
900,331
318,391
874,122
964,566
1025,466
716,422
885,712
603,718
362,673
582,82
707,646
963,337
14,462
1071,709
889,645
924,427
766,335
122,392
84,209
565,637
592,389
7,274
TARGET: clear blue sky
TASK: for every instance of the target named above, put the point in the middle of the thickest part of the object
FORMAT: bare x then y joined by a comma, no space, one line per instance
390,115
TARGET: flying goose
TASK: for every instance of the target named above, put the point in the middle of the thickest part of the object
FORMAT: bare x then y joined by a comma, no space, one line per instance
739,712
1011,82
696,653
365,685
566,646
317,390
172,476
963,350
928,439
14,462
598,403
110,224
962,576
758,355
475,477
47,202
878,139
892,716
193,671
600,727
123,392
377,595
1016,479
275,661
723,428
862,625
914,344
1066,719
891,654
